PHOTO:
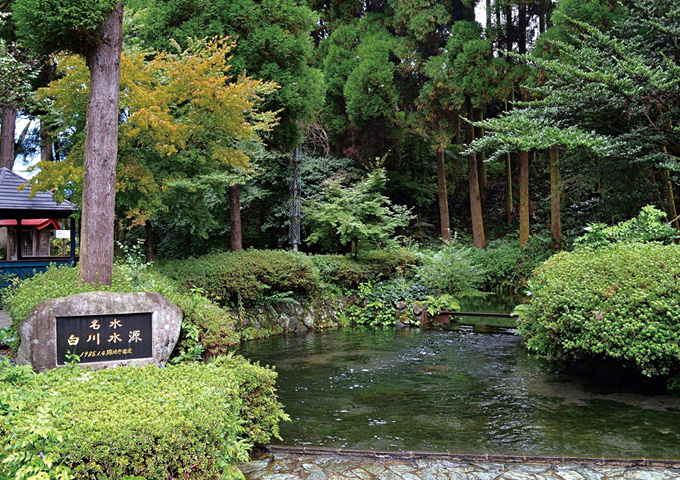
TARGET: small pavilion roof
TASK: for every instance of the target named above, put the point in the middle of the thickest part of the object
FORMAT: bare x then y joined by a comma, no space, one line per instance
38,223
18,204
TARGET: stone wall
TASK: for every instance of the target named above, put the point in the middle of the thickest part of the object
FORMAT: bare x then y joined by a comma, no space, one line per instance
319,315
293,318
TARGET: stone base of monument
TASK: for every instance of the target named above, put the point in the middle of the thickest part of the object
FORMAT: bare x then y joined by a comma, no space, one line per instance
100,330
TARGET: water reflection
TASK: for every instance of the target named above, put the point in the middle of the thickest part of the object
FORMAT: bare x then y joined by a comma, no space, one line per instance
459,392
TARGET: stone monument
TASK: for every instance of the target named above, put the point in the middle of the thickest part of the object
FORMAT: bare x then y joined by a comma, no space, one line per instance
100,330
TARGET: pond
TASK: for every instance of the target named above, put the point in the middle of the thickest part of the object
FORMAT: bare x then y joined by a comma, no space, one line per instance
457,391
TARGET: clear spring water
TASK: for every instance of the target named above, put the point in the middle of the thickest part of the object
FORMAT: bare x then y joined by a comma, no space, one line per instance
457,391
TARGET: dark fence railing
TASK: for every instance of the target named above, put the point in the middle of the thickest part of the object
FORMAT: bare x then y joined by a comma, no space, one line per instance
27,268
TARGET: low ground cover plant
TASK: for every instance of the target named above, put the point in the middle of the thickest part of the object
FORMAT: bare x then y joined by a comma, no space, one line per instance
191,421
619,302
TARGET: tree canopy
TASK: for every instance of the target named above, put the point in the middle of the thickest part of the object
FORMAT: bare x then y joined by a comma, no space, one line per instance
594,100
185,117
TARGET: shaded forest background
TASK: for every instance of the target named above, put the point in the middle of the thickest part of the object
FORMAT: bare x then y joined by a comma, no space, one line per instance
572,123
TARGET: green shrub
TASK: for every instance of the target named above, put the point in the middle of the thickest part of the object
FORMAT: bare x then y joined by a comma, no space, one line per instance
648,226
244,278
190,421
376,303
500,261
619,302
207,329
452,270
506,266
347,272
349,215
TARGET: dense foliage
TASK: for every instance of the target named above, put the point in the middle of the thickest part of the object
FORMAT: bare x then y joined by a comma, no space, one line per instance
188,421
347,272
188,119
346,215
619,302
462,271
648,226
358,81
242,278
57,25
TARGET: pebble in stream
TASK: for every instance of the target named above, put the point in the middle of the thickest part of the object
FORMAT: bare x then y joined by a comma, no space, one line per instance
328,467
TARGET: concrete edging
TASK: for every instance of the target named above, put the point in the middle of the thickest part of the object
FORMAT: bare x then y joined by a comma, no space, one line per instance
464,457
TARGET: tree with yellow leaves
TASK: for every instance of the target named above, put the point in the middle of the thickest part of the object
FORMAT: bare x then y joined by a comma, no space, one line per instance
185,122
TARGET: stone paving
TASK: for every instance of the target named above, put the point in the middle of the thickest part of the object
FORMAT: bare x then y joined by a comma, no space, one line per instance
280,466
4,319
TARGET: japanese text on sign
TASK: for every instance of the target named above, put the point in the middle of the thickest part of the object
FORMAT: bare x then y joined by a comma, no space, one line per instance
102,338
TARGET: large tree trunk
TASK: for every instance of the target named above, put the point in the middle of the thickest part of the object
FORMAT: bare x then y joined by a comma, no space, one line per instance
524,192
523,198
475,202
509,205
509,30
7,131
235,218
481,163
499,31
45,144
101,153
443,196
555,222
47,74
459,136
542,17
488,19
672,211
522,25
150,249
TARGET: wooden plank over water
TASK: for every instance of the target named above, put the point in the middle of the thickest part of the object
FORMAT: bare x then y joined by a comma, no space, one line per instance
479,314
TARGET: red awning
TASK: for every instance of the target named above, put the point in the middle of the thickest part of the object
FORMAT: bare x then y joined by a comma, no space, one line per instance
39,223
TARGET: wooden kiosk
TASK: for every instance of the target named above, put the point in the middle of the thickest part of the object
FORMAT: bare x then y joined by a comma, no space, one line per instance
28,227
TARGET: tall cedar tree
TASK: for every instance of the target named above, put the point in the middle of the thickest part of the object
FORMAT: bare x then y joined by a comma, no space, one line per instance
374,61
614,96
93,29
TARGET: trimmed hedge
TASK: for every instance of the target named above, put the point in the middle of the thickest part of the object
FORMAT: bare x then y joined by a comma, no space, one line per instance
192,421
242,278
348,272
618,302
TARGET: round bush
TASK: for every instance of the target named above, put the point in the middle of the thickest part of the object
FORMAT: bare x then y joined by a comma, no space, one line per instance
618,302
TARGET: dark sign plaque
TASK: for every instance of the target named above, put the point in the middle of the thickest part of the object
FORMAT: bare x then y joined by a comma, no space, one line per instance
104,338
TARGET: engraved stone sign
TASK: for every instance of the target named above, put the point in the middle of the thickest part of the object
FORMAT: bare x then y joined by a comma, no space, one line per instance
96,338
100,329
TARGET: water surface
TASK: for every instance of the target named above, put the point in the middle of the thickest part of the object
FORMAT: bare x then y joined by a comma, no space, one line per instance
462,392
